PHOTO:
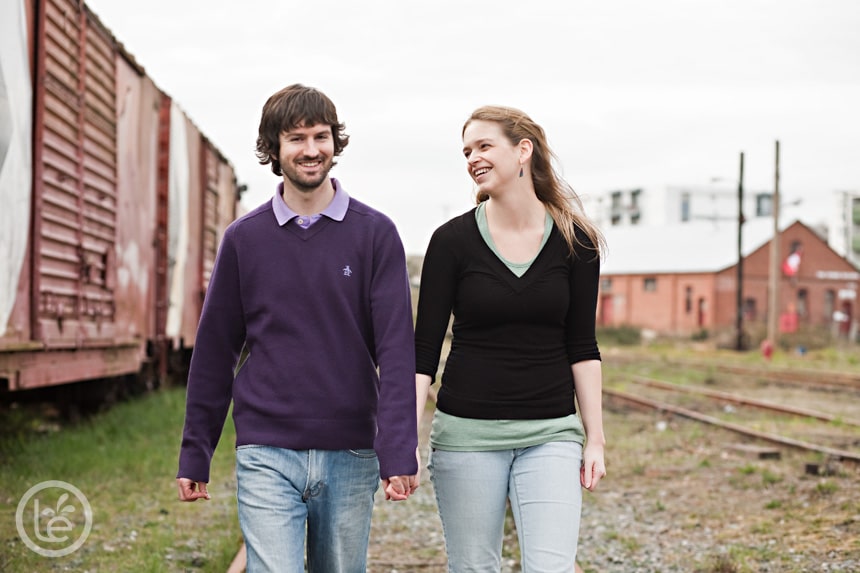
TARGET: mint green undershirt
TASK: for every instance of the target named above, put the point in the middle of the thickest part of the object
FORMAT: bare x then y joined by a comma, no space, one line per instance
518,269
471,434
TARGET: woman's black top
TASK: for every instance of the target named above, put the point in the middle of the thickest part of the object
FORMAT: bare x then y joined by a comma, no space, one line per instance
514,339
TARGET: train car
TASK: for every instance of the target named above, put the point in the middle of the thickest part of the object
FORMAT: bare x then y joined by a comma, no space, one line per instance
112,206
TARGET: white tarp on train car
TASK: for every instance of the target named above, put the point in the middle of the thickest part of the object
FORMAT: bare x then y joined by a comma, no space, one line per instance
177,226
16,96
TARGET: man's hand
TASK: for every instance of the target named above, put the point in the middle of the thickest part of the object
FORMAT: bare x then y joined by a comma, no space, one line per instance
190,490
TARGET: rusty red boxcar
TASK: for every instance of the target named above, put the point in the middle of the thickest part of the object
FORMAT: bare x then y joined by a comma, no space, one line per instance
112,205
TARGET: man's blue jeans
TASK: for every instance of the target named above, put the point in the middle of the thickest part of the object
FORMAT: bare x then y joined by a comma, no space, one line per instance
286,494
543,485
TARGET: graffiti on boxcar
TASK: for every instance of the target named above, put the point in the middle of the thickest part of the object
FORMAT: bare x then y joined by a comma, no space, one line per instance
16,96
177,245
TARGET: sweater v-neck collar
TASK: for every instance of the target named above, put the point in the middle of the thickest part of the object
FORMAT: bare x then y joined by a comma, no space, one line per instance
307,234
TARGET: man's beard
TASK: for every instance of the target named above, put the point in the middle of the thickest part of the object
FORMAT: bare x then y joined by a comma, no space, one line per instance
303,183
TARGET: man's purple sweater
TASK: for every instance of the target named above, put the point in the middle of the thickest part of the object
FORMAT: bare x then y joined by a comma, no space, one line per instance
320,309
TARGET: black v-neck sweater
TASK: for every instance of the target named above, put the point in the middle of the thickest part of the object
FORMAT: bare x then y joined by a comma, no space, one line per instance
514,339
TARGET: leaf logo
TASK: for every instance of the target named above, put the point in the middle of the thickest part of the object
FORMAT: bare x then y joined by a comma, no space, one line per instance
53,526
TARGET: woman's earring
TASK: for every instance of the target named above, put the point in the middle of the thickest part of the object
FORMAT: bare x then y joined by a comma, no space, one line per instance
521,169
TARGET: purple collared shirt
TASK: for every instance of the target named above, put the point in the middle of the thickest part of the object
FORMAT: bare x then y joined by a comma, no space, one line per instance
336,210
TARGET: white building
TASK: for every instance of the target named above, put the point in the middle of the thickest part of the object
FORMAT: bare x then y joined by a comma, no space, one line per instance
674,204
845,225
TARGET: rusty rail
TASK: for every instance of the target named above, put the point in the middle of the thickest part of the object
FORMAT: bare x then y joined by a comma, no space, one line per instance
776,374
841,455
737,399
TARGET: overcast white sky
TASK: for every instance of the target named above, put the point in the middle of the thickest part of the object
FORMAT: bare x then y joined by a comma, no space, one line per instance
631,93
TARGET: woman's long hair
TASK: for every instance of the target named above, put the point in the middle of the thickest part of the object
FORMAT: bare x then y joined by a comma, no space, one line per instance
555,193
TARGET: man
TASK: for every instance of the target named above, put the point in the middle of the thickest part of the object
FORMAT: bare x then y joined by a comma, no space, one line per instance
314,284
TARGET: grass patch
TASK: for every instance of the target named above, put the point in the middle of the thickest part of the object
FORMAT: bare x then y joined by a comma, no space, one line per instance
124,462
769,478
619,336
720,564
747,469
825,488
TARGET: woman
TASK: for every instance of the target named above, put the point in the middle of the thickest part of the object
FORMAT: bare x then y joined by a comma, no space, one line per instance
520,274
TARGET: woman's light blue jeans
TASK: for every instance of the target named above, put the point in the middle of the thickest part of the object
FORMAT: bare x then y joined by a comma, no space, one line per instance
543,485
285,494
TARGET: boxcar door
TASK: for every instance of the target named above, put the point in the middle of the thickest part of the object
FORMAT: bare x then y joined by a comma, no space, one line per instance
75,200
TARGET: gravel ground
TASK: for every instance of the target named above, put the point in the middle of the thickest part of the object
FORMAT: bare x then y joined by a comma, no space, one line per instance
679,497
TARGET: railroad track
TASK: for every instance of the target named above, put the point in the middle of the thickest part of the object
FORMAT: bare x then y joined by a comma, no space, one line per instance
824,378
744,401
697,414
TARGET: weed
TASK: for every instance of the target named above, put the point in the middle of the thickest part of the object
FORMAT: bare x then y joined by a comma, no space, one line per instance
720,564
762,528
746,470
826,487
631,544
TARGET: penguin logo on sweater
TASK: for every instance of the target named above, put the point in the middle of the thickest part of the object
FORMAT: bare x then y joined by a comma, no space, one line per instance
347,272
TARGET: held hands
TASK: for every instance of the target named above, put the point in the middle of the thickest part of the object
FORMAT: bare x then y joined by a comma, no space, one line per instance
190,490
399,488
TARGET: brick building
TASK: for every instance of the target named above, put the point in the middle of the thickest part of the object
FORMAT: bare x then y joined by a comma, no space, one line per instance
682,279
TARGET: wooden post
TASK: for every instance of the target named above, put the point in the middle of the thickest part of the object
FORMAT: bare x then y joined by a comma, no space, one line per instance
739,345
773,304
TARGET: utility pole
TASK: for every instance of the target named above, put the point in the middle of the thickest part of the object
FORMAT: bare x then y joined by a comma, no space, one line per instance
740,278
773,304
